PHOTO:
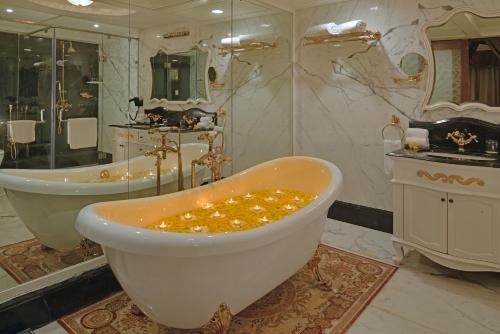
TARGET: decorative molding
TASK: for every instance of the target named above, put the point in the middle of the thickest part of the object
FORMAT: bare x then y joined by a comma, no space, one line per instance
430,57
450,178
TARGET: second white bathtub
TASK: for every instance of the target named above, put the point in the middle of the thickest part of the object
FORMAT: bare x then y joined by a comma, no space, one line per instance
48,201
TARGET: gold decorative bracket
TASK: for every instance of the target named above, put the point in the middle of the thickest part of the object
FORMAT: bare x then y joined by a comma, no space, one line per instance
220,322
324,284
451,179
365,36
255,46
412,79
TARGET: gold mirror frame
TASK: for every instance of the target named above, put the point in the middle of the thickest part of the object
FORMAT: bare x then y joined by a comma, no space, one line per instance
430,77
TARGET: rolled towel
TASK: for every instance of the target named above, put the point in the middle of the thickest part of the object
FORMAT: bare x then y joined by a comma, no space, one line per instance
390,146
421,142
417,133
21,132
320,29
347,27
237,40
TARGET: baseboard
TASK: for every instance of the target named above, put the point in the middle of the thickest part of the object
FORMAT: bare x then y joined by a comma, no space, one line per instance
39,308
376,219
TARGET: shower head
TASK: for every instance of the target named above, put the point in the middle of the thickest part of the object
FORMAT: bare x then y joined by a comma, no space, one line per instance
71,49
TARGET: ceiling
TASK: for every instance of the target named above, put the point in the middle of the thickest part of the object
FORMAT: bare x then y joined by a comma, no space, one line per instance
465,26
292,5
112,15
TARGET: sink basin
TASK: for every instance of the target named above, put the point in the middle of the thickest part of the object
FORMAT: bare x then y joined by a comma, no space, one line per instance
459,156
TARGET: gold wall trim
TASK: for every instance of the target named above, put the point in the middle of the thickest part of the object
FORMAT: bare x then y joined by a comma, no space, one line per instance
451,179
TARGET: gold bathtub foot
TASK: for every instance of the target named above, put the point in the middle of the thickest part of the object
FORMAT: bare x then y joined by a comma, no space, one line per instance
324,284
88,248
220,322
137,311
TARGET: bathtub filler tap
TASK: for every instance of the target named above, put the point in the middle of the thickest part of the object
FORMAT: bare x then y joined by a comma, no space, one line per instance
214,159
160,152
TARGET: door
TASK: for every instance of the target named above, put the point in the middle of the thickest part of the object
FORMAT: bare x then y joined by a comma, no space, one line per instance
425,218
474,231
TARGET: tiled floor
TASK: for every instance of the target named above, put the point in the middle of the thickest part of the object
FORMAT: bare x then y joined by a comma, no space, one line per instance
421,298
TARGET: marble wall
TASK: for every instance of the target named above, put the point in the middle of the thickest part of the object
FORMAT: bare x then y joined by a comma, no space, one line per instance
345,93
254,88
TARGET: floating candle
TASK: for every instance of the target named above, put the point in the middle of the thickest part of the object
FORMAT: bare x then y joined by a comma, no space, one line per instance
279,192
257,208
199,229
270,199
218,215
298,199
231,201
163,226
264,220
207,206
289,207
248,196
188,216
237,223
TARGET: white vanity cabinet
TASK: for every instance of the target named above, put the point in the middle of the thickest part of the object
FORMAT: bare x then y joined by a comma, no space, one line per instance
449,213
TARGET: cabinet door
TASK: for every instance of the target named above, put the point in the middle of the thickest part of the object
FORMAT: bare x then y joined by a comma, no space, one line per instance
473,224
425,218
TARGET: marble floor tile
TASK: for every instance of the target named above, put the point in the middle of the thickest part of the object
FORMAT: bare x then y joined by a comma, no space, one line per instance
421,298
12,230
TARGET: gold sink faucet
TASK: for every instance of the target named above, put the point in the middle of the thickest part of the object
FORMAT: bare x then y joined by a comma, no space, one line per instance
160,152
459,139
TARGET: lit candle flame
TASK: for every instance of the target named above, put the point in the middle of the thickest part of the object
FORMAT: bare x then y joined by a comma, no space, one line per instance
289,207
231,201
257,208
198,229
264,220
188,216
217,214
207,206
297,199
237,223
248,196
163,225
270,199
279,192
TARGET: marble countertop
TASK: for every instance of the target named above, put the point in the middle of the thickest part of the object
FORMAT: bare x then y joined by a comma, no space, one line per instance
144,126
422,155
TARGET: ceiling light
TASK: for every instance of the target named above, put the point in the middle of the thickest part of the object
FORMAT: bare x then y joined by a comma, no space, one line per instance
217,11
265,25
96,25
27,50
158,36
9,10
374,8
80,2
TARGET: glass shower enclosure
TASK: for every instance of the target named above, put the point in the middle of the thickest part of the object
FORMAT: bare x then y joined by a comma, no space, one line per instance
54,76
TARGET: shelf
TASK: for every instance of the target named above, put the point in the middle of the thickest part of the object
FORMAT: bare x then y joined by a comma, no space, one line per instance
365,36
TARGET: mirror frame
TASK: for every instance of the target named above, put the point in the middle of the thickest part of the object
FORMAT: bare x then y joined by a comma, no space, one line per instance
156,101
430,58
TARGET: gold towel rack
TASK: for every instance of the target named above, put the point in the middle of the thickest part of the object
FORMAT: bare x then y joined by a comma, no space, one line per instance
254,46
396,123
364,36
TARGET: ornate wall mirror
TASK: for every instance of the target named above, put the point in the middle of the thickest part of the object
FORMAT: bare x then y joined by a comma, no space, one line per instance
464,53
181,77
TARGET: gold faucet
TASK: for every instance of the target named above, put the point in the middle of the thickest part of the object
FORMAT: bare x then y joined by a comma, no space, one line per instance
459,139
214,159
160,152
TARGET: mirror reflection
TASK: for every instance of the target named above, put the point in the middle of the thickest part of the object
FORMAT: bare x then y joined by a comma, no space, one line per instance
413,64
180,76
467,60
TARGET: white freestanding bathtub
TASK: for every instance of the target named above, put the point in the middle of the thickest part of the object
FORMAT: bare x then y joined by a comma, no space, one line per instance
48,201
181,279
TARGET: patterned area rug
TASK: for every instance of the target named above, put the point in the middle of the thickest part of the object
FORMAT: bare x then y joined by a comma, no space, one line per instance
28,260
297,306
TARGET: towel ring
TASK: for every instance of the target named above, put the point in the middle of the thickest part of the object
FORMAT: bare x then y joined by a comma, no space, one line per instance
396,123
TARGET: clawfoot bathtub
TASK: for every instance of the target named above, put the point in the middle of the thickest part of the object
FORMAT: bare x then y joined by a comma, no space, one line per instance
181,279
48,201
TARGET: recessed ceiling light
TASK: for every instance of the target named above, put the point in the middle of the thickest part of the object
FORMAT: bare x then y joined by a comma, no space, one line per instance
158,36
96,25
265,25
27,50
217,11
80,2
374,8
9,10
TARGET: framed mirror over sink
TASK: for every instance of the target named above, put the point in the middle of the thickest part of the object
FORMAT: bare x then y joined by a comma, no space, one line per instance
464,61
180,77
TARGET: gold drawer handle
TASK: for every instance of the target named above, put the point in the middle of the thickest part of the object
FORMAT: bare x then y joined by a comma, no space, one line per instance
451,178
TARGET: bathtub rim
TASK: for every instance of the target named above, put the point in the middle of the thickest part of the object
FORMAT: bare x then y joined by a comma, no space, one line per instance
138,240
29,184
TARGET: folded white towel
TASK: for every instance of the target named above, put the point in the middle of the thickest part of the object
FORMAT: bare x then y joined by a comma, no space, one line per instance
417,133
421,142
320,29
237,40
347,27
82,132
22,132
390,146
